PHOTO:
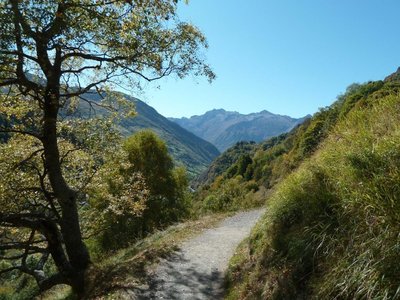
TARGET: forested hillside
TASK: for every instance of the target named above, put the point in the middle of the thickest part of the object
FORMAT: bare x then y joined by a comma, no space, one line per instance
332,191
223,162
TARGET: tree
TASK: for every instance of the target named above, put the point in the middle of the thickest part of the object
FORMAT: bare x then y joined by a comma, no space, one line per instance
160,191
54,54
118,199
148,155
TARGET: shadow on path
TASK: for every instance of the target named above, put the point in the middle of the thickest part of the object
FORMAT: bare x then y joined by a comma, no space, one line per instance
196,271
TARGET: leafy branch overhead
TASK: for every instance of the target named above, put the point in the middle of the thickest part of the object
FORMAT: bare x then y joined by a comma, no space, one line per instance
93,42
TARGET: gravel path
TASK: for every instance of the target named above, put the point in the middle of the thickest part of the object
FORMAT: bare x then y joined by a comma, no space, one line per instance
196,271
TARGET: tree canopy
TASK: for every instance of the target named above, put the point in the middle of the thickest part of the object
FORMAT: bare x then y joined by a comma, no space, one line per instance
167,184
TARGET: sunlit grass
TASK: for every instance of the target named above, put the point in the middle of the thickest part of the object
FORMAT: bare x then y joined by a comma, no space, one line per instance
332,228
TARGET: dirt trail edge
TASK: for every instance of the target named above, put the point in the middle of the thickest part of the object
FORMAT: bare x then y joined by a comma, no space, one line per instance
196,271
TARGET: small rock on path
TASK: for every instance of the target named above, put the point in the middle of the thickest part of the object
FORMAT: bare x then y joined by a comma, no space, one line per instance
196,271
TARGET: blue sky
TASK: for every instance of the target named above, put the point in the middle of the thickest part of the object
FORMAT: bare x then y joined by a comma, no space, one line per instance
286,56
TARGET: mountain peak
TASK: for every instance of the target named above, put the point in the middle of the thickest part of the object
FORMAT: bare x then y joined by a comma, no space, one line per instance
217,110
394,76
225,128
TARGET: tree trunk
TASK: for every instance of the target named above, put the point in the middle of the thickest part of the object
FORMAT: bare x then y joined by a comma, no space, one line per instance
70,229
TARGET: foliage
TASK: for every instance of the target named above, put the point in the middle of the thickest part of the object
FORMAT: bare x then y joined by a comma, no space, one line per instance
331,228
145,170
167,185
222,163
232,194
117,197
241,167
25,182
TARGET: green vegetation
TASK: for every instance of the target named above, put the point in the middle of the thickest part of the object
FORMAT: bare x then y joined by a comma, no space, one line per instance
136,191
78,203
262,166
168,201
331,230
223,162
150,175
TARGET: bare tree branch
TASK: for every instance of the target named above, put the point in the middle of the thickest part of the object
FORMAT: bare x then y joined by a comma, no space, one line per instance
11,130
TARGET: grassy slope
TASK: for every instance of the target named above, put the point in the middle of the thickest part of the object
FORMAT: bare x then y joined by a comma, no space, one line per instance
332,226
255,171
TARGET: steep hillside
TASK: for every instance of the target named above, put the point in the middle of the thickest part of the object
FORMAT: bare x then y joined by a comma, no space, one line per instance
270,161
331,230
223,163
188,149
225,128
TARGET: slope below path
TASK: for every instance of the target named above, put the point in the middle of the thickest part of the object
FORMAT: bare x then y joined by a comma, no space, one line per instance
196,271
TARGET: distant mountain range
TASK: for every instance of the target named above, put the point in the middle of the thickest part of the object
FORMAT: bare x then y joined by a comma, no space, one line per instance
225,128
196,141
